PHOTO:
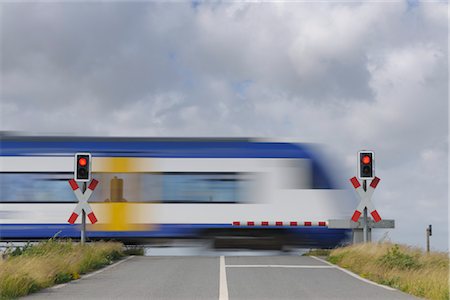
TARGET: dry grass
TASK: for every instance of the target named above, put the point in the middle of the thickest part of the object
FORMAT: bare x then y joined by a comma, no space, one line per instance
52,262
408,269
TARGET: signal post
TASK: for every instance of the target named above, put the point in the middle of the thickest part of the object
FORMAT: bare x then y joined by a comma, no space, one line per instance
82,175
366,168
429,233
364,225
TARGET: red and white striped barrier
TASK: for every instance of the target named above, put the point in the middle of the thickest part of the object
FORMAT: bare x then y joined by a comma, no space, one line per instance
279,223
82,201
365,199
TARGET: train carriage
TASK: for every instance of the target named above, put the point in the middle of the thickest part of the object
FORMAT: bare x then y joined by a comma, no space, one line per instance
232,189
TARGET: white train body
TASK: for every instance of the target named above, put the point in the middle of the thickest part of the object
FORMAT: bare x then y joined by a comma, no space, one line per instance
170,188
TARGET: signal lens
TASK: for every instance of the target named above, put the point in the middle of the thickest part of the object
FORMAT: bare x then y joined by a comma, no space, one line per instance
82,172
366,159
366,170
82,161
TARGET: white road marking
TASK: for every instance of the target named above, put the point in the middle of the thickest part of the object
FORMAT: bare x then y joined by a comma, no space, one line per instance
107,268
280,266
94,273
354,275
223,287
58,286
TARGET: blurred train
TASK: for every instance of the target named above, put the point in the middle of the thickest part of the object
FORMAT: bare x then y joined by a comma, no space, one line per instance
232,191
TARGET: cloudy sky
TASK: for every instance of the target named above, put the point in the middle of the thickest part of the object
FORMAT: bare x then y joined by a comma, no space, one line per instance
348,75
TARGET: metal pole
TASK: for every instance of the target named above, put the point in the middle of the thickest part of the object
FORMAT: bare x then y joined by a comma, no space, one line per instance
428,239
365,228
83,219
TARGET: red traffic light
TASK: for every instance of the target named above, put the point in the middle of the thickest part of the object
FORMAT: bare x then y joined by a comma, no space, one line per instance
82,167
366,167
366,159
82,161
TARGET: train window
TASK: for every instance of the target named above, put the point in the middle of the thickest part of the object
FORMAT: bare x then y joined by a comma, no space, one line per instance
128,187
201,187
171,187
36,187
118,187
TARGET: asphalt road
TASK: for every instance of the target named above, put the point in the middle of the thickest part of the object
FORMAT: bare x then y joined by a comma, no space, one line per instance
246,277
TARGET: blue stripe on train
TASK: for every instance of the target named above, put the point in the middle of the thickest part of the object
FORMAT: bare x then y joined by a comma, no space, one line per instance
314,236
185,149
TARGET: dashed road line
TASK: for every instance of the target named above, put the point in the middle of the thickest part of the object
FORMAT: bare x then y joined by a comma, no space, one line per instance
223,287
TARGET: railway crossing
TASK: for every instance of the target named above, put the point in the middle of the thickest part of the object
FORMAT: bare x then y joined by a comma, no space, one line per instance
362,226
82,201
82,174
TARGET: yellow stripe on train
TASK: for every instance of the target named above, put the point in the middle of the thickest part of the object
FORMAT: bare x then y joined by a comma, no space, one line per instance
115,214
122,216
120,164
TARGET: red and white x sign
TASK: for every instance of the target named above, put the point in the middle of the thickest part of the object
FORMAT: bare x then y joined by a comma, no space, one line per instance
82,201
365,199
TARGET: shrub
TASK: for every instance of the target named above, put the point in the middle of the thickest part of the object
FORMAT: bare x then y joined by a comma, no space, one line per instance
62,277
395,258
16,251
317,252
134,251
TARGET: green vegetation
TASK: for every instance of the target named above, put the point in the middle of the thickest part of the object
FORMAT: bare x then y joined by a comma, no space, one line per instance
317,252
34,267
408,269
134,250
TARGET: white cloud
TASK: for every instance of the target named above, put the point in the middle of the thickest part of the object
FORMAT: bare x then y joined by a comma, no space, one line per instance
352,76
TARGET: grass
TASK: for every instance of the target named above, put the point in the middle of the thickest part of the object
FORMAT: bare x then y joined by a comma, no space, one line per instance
134,250
317,252
408,269
34,267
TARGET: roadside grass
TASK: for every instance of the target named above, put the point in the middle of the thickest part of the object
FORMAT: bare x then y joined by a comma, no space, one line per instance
34,267
134,250
317,252
408,269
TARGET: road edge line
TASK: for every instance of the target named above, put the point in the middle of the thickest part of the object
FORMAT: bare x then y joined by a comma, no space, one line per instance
355,275
223,287
93,273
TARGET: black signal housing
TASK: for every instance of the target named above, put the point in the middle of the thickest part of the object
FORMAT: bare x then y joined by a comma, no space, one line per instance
366,165
82,167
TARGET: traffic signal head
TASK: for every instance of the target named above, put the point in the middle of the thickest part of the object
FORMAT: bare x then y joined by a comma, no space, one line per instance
82,167
366,166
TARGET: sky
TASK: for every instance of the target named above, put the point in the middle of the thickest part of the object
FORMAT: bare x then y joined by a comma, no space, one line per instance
347,75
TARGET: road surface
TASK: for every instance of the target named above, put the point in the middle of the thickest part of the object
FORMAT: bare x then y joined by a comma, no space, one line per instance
246,277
